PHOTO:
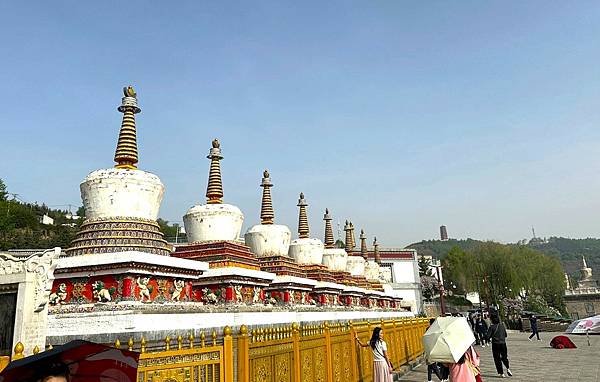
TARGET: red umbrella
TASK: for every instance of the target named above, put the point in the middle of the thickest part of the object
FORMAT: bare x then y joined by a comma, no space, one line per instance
82,360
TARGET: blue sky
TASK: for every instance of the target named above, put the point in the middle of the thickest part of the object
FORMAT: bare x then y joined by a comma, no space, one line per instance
401,116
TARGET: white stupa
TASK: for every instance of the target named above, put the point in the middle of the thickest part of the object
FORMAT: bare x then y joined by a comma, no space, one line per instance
334,258
371,266
305,250
355,264
267,239
215,220
121,203
385,273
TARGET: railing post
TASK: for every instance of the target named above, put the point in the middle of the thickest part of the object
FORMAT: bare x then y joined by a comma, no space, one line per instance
243,356
354,354
328,352
227,354
296,348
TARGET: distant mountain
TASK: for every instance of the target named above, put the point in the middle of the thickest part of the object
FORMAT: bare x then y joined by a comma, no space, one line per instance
568,251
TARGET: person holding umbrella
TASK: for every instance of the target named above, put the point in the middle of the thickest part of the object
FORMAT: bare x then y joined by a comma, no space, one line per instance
382,367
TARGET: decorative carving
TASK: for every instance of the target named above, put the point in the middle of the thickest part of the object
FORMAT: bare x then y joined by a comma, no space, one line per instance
145,289
40,263
238,294
256,296
78,291
209,297
178,292
59,296
100,293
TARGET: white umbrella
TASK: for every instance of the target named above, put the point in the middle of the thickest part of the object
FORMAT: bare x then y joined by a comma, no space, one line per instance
447,339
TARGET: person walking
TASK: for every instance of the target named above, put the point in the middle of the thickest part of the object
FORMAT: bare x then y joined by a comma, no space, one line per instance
497,334
534,327
467,367
382,367
440,371
481,328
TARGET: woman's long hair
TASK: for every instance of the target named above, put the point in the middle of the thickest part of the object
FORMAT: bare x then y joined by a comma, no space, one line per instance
374,337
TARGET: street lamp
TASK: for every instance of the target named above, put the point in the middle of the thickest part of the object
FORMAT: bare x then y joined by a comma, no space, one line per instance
438,272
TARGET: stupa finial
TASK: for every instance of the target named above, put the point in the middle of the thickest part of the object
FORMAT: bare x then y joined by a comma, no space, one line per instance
214,191
126,154
363,245
376,251
267,215
303,218
329,242
584,263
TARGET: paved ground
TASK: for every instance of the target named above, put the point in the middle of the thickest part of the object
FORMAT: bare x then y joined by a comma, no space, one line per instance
537,361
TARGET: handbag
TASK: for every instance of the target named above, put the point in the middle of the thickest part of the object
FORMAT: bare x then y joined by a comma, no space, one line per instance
475,369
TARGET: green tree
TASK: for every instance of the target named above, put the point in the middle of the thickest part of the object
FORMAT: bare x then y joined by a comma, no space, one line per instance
424,266
3,192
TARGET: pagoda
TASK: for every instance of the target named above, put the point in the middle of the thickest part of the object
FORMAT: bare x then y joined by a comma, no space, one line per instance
335,258
371,266
355,264
213,230
270,243
308,252
116,255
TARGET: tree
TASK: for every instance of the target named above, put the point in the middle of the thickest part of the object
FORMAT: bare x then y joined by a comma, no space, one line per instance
425,266
3,192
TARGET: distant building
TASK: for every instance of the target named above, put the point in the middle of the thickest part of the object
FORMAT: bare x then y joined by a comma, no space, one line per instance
47,220
583,301
443,233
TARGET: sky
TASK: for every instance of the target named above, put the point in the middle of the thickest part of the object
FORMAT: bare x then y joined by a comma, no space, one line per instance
401,116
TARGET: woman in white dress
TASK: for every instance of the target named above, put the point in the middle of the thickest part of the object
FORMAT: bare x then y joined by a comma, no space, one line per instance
382,367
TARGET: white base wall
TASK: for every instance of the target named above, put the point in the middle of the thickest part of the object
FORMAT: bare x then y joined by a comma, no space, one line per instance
127,323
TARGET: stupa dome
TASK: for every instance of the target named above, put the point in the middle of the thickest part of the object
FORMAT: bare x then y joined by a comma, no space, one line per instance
121,192
304,249
371,270
266,238
215,220
334,258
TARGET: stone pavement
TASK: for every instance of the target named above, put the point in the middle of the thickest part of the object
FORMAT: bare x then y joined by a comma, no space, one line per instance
537,361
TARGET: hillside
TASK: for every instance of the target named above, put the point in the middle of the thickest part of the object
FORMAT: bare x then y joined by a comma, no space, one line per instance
567,251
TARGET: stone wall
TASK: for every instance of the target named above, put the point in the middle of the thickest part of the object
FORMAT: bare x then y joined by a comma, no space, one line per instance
583,305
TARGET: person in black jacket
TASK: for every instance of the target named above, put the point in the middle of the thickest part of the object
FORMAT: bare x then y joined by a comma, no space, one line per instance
481,328
534,327
497,334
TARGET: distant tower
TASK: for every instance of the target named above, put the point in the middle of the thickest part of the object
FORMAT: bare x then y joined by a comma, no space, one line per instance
443,233
533,231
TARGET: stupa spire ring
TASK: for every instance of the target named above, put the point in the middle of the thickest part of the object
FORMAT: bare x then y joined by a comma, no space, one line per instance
347,229
214,190
363,245
376,251
267,214
329,242
302,218
126,154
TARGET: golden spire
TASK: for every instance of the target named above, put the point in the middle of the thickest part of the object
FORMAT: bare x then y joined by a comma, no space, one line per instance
303,218
348,237
126,154
329,242
376,251
266,209
214,191
363,245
